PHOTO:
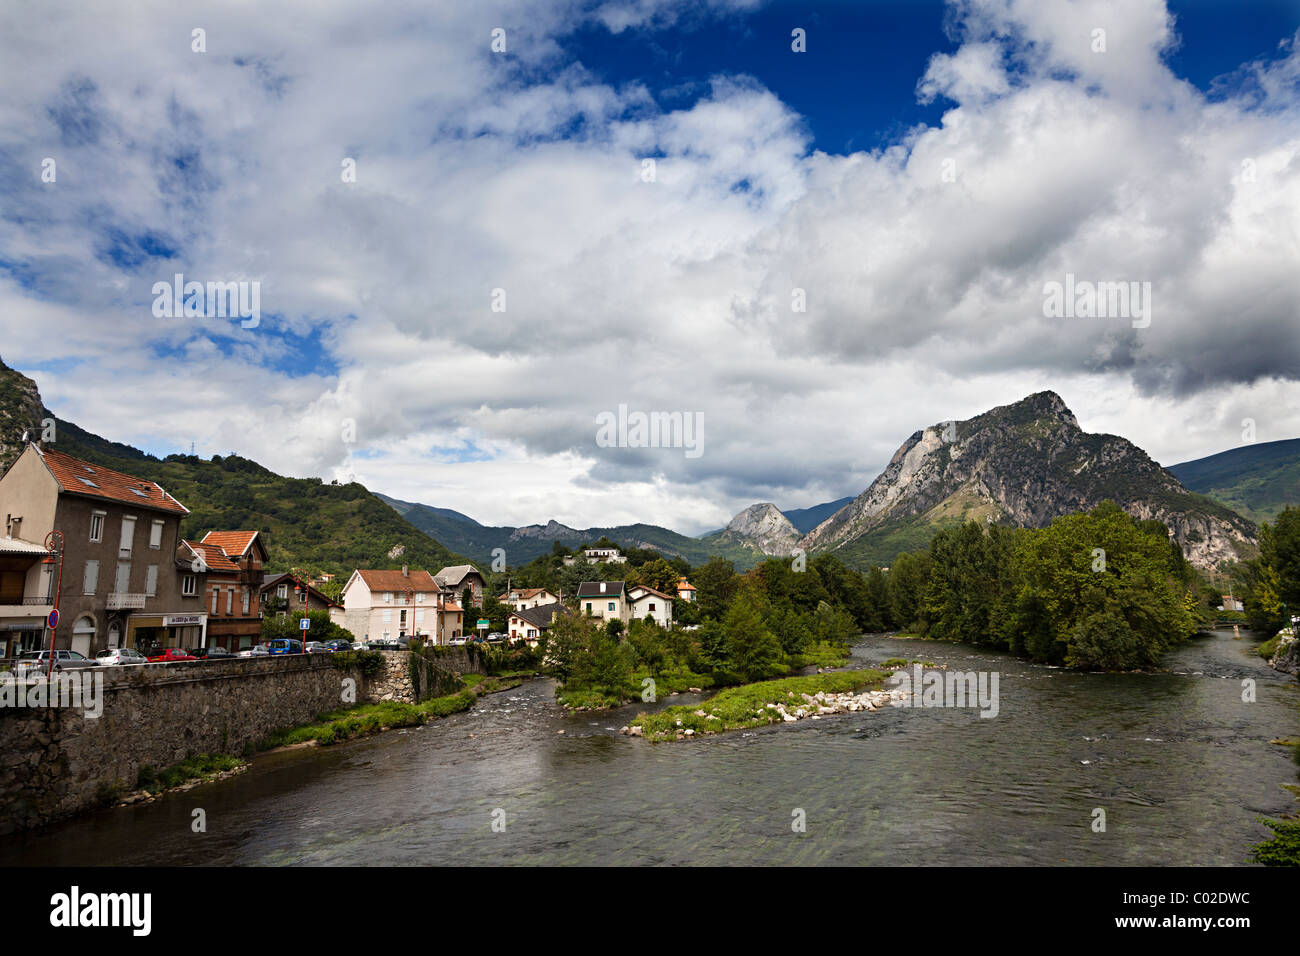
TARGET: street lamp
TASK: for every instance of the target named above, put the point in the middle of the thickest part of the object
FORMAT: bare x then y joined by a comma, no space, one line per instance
54,545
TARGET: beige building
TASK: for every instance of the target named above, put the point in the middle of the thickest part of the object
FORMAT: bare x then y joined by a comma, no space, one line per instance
388,605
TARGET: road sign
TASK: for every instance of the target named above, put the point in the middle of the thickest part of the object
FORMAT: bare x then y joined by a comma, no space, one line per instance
484,624
305,624
54,618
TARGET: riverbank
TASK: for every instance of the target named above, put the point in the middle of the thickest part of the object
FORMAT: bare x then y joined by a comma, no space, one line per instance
787,700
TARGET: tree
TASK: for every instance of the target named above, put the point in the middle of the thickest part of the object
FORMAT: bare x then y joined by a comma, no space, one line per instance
752,651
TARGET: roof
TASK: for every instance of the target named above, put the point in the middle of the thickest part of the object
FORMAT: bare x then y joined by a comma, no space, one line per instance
453,607
592,589
524,594
234,543
397,581
213,556
540,616
649,590
77,477
452,576
684,585
19,546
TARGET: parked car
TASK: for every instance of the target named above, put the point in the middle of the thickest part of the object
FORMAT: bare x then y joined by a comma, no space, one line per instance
284,645
37,662
496,637
339,644
257,650
318,647
210,654
169,654
458,641
120,655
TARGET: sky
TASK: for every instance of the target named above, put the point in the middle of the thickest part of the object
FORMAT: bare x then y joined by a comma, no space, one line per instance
467,258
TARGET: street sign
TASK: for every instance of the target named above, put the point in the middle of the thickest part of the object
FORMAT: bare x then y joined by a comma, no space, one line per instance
54,618
484,624
305,624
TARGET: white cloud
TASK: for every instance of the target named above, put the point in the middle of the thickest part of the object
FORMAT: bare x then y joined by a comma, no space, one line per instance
524,172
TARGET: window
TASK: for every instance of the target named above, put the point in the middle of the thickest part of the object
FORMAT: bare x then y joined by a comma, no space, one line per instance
230,600
216,593
151,580
97,526
652,606
128,535
91,582
611,605
155,535
419,616
282,591
246,596
388,597
588,607
189,585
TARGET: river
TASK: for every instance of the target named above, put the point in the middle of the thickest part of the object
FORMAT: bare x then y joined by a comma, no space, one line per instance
1180,765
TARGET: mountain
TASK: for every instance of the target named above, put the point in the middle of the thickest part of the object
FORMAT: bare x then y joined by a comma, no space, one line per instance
761,527
306,523
1256,480
1021,464
805,519
521,545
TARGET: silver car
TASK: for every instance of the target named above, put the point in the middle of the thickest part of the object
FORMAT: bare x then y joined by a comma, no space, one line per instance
36,662
120,655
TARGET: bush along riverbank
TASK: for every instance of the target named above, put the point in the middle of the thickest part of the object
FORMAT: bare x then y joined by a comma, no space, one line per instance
186,775
769,702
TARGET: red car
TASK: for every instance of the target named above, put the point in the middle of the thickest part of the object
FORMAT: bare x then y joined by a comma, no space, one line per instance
171,654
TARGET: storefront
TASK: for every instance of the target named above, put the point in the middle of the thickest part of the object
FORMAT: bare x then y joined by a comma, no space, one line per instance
149,633
18,637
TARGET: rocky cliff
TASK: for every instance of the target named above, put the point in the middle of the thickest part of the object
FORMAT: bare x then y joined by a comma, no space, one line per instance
1022,464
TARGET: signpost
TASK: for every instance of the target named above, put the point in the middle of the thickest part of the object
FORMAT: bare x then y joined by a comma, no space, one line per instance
304,625
483,625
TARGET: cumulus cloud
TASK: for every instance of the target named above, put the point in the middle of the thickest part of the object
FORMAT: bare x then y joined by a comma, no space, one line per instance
522,178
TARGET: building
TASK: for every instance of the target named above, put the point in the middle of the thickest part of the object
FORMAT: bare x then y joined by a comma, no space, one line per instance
459,577
603,599
26,595
521,598
530,623
387,605
122,580
286,593
686,591
643,602
232,588
598,556
451,618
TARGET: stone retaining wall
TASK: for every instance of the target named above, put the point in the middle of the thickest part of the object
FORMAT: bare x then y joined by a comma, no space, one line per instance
58,761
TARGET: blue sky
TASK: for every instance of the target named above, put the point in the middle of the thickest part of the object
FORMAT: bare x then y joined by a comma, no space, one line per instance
1171,157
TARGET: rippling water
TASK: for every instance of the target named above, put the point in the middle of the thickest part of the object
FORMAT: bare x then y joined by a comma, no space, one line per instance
1182,767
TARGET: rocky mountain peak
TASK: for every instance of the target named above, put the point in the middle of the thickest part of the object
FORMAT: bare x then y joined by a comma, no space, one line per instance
765,527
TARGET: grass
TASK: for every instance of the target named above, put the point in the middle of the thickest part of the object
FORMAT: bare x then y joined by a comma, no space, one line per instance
1268,648
679,679
365,719
737,708
192,768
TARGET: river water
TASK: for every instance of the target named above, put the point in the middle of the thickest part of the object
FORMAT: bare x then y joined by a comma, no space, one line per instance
1180,765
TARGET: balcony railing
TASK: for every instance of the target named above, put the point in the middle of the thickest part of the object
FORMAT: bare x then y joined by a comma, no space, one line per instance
120,600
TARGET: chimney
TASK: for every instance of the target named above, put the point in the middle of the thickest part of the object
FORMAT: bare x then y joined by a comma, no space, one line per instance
602,587
404,574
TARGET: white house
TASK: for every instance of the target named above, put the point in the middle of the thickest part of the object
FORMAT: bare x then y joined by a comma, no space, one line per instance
530,623
646,602
604,600
386,605
523,598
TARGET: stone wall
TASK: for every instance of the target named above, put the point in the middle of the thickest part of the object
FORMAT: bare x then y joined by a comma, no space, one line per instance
58,761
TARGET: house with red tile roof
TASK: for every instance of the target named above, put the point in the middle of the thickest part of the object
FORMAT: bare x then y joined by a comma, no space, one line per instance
232,586
122,573
391,605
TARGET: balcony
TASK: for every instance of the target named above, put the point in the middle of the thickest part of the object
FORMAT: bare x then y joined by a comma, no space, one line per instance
121,600
25,607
